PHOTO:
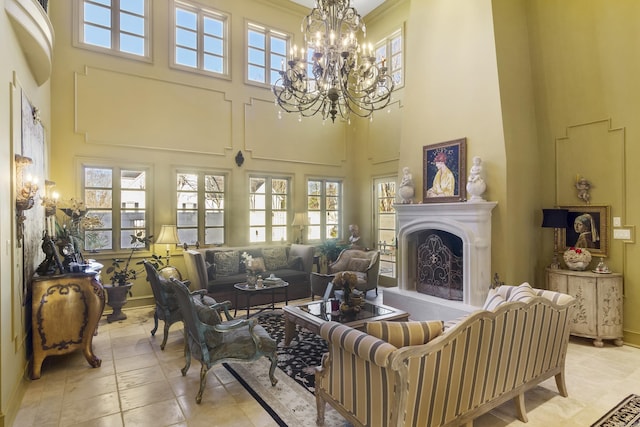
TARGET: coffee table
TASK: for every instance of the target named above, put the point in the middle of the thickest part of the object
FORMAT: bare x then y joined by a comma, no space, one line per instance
313,315
243,288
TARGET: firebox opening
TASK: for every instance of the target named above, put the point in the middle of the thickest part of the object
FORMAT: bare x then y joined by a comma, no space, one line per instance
439,264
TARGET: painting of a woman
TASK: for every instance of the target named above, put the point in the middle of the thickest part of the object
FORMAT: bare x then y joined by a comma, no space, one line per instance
584,226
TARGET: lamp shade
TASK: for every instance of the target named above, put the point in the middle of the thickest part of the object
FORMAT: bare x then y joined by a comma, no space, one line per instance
168,235
300,219
554,218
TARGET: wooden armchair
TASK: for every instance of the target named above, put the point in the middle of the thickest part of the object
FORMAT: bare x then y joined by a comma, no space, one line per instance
166,305
211,340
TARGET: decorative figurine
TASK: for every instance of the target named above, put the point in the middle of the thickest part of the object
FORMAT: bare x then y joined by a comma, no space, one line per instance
583,186
354,230
475,183
406,190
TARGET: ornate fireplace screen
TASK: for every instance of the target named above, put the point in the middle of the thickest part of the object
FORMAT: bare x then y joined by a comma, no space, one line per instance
439,269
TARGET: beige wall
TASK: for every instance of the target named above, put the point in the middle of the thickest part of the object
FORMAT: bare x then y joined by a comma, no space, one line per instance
585,67
151,115
526,82
17,75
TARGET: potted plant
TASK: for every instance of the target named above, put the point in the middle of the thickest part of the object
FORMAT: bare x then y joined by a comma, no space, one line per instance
122,275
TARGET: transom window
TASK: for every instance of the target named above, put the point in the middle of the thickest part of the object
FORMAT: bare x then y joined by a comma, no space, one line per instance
200,39
324,207
391,51
118,198
268,209
200,208
266,54
117,25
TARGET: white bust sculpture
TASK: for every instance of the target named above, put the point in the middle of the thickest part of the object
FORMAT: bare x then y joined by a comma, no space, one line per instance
475,183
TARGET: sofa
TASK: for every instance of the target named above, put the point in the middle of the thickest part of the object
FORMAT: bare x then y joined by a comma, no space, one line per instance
486,358
218,269
364,263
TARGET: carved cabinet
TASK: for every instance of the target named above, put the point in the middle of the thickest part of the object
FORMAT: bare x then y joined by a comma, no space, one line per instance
66,309
598,310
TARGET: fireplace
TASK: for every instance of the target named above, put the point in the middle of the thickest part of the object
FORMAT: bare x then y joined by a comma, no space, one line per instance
468,223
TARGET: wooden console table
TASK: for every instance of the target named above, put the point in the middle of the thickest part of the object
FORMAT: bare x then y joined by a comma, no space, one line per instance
66,309
598,310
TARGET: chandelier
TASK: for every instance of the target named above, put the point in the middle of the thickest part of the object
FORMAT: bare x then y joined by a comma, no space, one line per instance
334,76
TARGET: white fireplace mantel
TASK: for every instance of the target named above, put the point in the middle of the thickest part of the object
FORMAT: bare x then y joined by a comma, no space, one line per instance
471,222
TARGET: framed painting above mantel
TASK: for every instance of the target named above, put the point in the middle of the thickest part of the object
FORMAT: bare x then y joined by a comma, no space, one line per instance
444,171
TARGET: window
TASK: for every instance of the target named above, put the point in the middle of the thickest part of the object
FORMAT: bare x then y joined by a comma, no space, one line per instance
118,197
268,209
200,208
117,25
385,225
200,39
324,205
266,54
390,50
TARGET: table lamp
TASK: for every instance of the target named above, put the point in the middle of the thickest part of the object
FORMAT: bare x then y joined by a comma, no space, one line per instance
301,219
168,236
556,219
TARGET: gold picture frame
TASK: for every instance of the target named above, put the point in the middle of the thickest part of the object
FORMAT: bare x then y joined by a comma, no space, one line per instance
597,217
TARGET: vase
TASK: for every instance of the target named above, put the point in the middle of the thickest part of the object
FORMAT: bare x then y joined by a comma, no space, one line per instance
577,261
251,279
116,299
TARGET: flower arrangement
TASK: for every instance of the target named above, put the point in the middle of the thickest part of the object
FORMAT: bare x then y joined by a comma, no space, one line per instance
577,258
123,274
247,260
353,299
71,226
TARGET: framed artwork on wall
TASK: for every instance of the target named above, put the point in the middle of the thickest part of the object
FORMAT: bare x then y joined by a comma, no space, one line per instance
444,172
587,227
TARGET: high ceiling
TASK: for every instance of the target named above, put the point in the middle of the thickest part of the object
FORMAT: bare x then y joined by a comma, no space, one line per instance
362,6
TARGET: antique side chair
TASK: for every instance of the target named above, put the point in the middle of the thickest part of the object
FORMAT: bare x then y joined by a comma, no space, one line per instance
166,305
211,340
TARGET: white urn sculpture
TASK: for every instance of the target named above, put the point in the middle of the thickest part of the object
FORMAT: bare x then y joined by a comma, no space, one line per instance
475,183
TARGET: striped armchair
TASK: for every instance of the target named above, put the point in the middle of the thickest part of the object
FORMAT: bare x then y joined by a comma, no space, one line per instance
488,358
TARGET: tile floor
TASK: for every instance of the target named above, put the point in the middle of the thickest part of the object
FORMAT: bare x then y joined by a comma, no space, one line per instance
140,385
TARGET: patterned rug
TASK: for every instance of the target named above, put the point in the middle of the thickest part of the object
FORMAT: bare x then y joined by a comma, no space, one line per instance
300,359
287,402
625,414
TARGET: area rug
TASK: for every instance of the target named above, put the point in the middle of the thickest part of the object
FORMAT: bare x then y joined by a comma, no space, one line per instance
301,357
625,414
291,402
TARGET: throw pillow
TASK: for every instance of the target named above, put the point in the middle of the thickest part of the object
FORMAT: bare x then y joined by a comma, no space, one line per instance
358,264
257,265
295,263
522,293
227,263
211,271
493,301
275,258
402,334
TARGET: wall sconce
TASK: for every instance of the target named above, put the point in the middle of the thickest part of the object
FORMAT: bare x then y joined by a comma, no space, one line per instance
556,219
168,236
300,219
26,190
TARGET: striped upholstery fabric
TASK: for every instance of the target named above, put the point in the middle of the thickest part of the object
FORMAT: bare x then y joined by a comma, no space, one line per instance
360,383
489,357
401,334
494,300
522,293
